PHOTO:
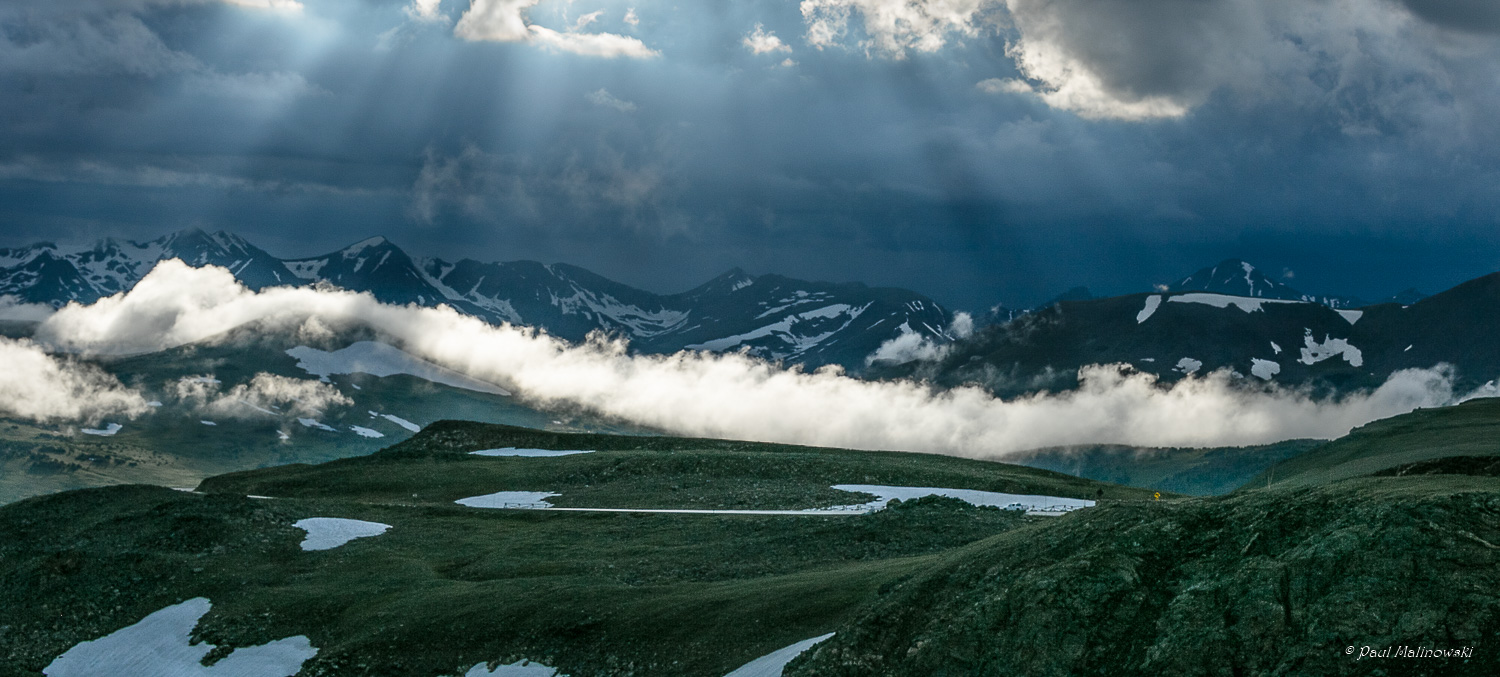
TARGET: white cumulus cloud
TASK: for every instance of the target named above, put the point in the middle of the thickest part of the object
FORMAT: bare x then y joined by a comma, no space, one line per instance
506,21
41,387
762,41
602,97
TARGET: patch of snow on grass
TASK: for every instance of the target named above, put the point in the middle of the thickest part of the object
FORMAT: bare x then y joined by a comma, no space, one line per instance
1152,303
521,668
1027,502
379,359
1249,305
313,423
208,423
509,499
366,432
772,664
1188,365
326,533
160,645
402,422
1264,369
535,453
1351,315
281,435
1314,352
1275,347
154,403
106,431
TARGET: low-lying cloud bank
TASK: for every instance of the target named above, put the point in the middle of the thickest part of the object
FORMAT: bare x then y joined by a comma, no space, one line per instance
736,396
41,387
264,392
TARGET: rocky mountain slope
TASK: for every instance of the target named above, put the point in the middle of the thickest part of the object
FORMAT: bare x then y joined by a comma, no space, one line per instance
1291,342
770,316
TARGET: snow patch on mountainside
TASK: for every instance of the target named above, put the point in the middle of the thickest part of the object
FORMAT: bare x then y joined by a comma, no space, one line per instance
1249,305
1188,365
161,645
772,664
1264,369
379,359
106,431
1028,502
783,330
1152,303
530,453
509,499
1314,352
521,668
314,423
327,533
1351,315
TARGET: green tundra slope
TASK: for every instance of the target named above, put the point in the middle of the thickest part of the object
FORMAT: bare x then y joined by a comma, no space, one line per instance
1468,429
1198,472
1278,581
450,586
1266,582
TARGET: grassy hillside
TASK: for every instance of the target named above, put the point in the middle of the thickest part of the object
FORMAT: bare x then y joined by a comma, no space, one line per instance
449,586
1268,582
435,468
1468,429
1264,581
1198,472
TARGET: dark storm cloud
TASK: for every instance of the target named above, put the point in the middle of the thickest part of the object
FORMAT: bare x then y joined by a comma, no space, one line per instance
976,150
1480,16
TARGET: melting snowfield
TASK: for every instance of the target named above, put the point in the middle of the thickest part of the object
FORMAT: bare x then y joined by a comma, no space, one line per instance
1033,505
327,533
771,664
366,432
160,646
532,453
520,668
104,432
379,359
509,499
1030,503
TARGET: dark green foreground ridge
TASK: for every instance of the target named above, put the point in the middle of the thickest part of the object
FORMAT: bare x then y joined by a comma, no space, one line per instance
1266,581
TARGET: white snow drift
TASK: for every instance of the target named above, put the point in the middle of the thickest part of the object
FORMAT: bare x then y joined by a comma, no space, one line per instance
160,646
509,499
106,431
735,396
522,668
534,453
326,533
772,664
1028,502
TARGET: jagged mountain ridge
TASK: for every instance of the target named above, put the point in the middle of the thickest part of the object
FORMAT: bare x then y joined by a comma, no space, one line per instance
1172,334
770,316
1237,277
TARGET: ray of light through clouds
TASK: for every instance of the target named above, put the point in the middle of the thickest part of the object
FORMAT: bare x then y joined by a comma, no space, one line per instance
979,151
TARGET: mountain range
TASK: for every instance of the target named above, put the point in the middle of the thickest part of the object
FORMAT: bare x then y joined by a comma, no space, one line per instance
1264,339
769,316
1228,316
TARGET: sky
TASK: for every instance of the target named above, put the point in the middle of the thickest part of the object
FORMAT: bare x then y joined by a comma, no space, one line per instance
978,151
